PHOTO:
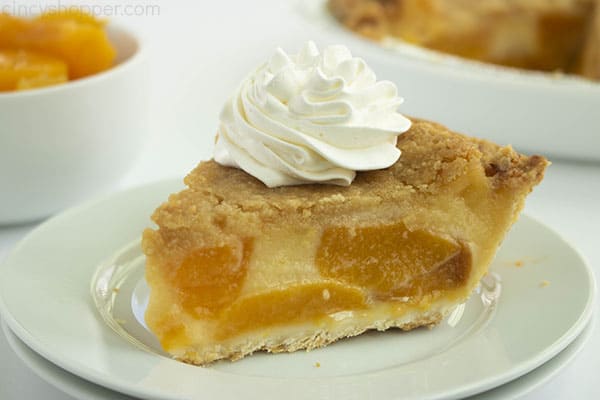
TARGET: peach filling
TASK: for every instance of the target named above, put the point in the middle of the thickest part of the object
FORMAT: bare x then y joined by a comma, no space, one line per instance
548,45
173,336
357,266
296,304
392,261
211,278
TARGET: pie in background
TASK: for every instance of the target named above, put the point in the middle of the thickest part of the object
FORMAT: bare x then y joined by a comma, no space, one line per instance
588,64
545,35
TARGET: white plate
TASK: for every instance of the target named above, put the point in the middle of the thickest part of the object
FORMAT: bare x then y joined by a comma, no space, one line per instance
82,389
45,300
67,383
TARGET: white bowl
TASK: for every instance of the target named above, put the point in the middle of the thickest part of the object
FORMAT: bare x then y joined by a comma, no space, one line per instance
537,112
61,144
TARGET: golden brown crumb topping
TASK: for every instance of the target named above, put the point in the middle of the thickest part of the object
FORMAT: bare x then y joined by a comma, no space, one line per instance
432,157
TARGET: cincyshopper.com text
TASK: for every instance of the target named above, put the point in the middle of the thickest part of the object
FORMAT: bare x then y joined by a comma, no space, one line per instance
105,10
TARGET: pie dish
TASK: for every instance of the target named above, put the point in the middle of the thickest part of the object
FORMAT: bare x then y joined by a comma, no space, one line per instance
541,35
235,267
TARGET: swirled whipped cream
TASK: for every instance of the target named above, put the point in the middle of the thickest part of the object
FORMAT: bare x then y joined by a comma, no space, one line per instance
311,118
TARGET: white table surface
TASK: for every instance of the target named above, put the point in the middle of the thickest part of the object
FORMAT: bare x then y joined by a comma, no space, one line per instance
198,53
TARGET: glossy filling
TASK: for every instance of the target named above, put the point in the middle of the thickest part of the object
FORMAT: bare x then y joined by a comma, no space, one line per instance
547,43
392,261
210,279
296,304
359,267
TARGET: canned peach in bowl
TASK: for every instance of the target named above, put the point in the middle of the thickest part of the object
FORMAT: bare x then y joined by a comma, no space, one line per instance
73,111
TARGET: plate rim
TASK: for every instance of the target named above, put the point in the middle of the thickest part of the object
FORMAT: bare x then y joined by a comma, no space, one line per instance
517,387
121,386
61,379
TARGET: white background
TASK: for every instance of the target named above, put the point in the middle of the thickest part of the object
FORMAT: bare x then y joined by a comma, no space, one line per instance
199,51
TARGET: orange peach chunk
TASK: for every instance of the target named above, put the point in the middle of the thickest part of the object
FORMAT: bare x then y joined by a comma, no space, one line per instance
391,260
308,302
83,46
20,70
211,278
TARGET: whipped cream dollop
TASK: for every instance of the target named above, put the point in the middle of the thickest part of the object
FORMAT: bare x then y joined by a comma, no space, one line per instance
311,118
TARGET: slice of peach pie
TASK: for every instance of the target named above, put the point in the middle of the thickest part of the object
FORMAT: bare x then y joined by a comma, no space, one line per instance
236,266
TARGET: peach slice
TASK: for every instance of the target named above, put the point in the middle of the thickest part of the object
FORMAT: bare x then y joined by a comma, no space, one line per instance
392,261
83,46
211,278
20,70
301,303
